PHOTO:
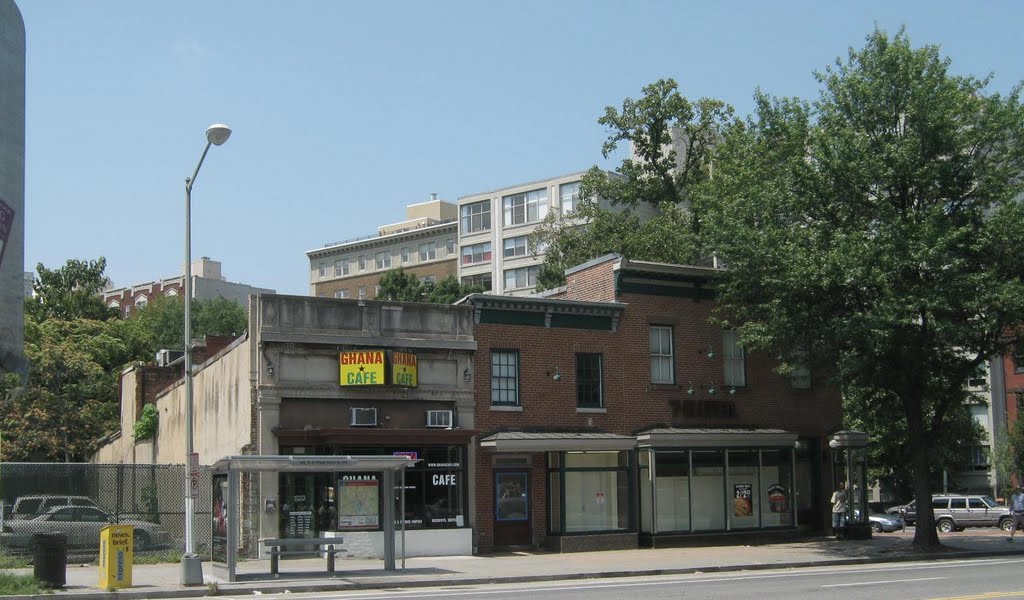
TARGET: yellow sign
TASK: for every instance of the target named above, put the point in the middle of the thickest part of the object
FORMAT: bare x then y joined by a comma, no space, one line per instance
116,556
363,367
403,369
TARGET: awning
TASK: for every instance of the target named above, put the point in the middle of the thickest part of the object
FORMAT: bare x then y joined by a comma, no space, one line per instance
521,441
715,438
291,464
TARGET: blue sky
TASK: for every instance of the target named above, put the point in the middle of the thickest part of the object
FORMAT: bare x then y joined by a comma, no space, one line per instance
344,112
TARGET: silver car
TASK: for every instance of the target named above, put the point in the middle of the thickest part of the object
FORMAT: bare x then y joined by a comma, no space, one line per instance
81,525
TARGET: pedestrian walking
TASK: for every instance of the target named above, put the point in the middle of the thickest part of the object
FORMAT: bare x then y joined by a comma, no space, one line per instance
1017,509
839,503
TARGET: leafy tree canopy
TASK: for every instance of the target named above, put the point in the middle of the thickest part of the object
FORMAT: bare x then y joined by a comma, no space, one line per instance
162,321
70,292
671,139
877,230
397,285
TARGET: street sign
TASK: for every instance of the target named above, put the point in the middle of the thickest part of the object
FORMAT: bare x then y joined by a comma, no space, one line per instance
193,485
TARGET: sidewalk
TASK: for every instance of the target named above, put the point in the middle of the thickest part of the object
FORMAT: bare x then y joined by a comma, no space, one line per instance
310,575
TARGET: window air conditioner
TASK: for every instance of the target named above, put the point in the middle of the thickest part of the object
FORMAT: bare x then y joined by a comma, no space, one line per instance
439,418
364,417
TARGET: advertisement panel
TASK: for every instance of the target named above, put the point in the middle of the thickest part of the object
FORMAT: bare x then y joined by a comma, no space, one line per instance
362,367
403,369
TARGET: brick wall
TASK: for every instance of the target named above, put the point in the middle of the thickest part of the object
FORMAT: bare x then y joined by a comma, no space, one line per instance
631,402
595,283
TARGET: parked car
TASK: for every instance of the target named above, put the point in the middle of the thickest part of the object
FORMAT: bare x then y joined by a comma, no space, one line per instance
885,523
27,507
954,512
81,525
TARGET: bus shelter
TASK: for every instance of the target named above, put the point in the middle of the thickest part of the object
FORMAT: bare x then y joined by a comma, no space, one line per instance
226,497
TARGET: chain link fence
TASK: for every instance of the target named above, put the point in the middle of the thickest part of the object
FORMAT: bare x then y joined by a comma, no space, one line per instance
80,499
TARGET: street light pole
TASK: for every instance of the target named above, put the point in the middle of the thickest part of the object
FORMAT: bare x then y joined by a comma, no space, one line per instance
191,565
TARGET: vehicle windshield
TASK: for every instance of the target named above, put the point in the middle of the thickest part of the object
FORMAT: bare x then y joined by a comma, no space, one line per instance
989,501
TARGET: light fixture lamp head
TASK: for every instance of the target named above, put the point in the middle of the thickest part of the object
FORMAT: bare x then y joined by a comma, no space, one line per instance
711,389
218,133
558,375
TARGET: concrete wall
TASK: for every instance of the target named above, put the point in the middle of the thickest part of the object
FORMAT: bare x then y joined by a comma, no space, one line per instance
12,187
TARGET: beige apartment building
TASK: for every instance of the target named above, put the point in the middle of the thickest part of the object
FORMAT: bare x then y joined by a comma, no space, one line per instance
425,244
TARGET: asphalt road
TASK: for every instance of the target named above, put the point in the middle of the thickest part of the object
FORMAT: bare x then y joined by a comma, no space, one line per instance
932,580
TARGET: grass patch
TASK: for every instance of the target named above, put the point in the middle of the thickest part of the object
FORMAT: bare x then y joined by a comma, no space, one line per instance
9,560
156,558
11,585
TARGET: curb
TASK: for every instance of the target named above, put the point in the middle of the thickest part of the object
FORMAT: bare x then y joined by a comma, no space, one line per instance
301,588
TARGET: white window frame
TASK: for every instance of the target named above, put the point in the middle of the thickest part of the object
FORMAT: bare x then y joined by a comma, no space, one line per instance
516,246
504,383
362,292
525,207
382,260
475,217
449,245
406,255
476,253
428,251
528,274
662,356
568,197
341,293
362,262
733,359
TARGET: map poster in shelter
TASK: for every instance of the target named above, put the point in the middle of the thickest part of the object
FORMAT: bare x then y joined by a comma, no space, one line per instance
358,502
220,519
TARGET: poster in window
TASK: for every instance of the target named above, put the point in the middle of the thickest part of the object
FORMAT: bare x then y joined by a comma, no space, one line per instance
742,502
219,547
358,503
777,498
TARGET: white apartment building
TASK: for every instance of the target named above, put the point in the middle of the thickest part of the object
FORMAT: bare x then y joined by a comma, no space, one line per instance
494,229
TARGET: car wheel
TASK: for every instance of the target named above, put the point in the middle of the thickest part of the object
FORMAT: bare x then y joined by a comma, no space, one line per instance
1006,524
945,525
876,528
140,540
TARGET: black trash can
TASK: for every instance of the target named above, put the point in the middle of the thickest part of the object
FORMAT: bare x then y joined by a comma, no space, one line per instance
50,559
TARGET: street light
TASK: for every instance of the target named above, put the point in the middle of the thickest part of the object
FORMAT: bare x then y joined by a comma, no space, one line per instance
191,565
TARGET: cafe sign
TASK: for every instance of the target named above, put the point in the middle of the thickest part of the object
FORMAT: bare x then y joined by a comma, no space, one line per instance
403,369
363,367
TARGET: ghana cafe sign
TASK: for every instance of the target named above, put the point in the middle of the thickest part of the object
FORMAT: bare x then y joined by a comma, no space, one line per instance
378,367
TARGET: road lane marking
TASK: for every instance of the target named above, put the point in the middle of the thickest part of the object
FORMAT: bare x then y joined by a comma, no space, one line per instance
881,582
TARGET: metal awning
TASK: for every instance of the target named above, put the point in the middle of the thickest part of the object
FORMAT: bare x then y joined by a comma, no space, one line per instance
715,438
293,463
522,441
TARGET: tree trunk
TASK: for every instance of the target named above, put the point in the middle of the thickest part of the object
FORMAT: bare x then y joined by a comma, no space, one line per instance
925,535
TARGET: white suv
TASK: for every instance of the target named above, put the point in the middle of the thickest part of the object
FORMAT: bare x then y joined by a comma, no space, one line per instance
27,507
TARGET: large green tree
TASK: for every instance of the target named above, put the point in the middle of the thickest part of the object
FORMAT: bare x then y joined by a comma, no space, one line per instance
671,138
72,291
877,232
162,321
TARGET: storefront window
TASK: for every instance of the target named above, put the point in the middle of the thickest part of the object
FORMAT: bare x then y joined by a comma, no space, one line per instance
777,486
744,489
673,491
591,489
707,490
434,492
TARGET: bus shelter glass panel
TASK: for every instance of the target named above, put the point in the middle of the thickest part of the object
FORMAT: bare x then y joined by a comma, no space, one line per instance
707,490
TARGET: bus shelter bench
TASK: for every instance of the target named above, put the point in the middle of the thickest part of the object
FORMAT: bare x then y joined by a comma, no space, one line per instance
277,547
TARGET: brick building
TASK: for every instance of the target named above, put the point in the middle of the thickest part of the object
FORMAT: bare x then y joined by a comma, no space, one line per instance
613,414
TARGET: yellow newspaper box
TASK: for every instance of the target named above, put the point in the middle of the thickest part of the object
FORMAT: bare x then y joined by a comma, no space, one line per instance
116,556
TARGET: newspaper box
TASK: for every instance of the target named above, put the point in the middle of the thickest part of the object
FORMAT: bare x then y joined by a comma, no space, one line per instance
116,556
